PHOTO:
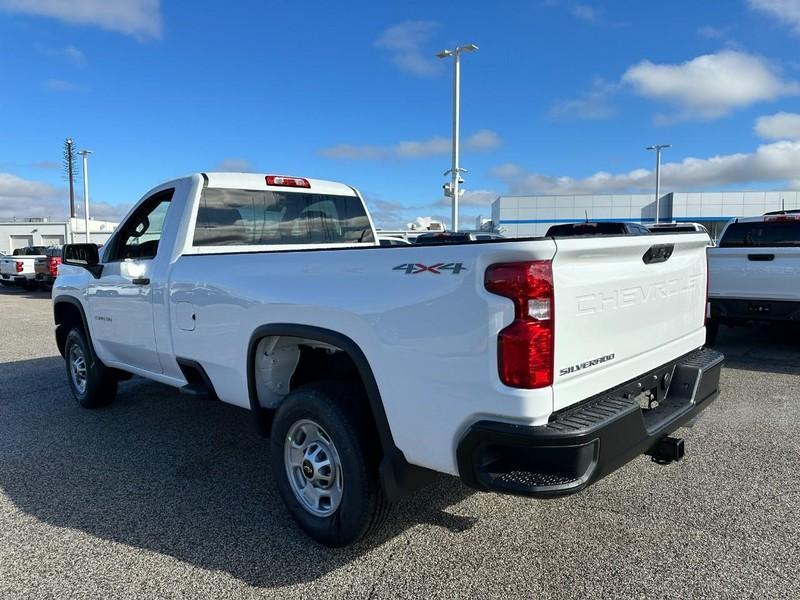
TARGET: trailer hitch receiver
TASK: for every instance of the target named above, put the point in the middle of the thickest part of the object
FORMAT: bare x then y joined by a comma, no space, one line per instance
668,449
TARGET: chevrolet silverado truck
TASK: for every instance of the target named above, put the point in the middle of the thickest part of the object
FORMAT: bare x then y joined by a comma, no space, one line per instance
46,267
19,269
754,272
522,366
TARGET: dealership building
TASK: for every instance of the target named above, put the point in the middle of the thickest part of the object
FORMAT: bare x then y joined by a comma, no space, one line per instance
531,216
20,233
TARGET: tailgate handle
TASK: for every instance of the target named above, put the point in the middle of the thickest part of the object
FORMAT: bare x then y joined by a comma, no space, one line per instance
658,253
761,257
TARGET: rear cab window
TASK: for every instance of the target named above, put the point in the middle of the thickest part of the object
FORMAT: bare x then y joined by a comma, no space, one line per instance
234,217
756,234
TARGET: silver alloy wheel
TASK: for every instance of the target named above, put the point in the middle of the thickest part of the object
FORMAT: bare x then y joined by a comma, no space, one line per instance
313,468
77,366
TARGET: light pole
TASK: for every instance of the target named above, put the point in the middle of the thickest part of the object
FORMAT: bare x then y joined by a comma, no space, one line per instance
455,171
85,154
658,148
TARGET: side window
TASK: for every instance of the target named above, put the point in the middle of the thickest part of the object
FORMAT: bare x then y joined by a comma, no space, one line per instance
139,236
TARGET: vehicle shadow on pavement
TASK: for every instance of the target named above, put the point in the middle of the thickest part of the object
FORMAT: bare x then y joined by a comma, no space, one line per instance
762,348
20,291
172,474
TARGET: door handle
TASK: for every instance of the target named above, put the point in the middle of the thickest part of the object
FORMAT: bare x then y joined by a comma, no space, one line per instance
761,257
141,281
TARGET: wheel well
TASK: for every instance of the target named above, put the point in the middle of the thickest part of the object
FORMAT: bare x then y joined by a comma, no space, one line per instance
67,316
284,363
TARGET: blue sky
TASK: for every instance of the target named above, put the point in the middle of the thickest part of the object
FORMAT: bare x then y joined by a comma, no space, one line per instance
562,96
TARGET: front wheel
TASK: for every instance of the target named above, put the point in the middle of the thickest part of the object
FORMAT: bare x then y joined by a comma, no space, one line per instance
323,455
91,383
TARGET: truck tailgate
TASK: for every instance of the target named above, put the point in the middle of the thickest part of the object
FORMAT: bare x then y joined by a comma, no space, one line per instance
758,273
624,305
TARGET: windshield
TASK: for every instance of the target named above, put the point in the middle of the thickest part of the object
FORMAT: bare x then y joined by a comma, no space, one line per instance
761,233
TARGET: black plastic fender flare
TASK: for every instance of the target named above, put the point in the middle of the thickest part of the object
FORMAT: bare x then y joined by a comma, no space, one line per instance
398,476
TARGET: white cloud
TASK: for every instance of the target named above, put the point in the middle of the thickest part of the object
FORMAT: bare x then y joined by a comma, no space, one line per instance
481,140
47,165
396,215
235,165
23,198
139,18
771,163
711,32
710,86
786,11
68,53
406,42
506,171
584,12
74,55
422,149
472,198
592,105
780,126
61,85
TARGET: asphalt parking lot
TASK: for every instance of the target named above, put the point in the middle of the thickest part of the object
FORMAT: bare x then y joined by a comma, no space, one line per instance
163,495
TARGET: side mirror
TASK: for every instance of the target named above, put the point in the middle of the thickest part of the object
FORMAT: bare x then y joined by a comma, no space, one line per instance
82,255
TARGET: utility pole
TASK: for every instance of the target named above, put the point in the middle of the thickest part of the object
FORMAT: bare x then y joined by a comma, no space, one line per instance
85,154
455,171
69,167
658,148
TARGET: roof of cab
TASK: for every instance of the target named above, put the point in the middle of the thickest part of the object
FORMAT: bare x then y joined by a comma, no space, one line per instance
257,181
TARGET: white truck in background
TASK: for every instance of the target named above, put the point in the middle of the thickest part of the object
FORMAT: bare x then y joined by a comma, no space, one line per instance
19,268
538,365
755,272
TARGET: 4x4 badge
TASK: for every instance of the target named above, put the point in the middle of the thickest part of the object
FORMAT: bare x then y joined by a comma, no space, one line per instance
416,268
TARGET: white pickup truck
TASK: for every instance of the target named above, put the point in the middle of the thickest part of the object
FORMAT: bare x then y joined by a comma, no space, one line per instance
755,271
531,366
19,269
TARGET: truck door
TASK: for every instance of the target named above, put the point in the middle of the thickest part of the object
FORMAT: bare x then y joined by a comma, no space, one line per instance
121,300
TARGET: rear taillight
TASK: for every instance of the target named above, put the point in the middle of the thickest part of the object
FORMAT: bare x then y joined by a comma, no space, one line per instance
19,266
525,348
782,218
52,265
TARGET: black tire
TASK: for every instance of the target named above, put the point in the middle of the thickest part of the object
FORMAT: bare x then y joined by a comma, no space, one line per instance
98,387
31,285
340,409
6,283
712,331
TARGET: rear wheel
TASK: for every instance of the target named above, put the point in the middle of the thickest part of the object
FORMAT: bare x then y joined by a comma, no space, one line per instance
91,383
323,455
